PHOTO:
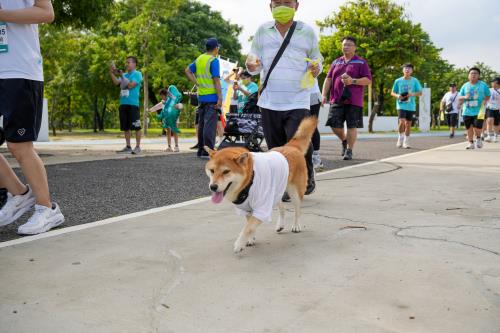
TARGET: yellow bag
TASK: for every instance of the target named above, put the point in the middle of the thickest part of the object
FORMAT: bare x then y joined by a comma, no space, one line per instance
441,115
482,113
308,79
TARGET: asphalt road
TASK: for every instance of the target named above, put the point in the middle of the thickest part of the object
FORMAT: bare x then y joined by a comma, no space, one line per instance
93,191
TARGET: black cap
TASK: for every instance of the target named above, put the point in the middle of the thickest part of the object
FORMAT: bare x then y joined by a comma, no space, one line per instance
407,65
453,84
212,43
497,80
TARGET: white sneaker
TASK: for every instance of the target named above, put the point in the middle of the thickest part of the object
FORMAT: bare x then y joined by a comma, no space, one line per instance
317,163
16,206
487,139
479,143
470,146
494,139
42,220
406,143
399,144
136,151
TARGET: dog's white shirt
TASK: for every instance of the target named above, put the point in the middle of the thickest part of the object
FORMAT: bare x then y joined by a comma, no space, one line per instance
269,183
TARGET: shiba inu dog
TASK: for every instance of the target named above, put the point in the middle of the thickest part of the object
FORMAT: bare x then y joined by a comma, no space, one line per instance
256,182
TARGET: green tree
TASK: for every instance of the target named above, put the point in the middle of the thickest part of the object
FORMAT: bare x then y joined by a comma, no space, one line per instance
80,13
386,38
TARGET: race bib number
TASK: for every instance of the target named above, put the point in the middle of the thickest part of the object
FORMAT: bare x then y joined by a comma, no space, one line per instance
4,45
125,93
472,104
493,105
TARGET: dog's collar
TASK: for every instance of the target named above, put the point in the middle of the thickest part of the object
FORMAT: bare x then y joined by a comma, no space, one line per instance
244,193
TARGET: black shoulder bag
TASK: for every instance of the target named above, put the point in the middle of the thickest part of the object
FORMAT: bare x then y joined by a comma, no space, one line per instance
278,55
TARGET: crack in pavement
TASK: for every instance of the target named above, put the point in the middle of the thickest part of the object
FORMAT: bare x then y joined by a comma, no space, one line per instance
398,231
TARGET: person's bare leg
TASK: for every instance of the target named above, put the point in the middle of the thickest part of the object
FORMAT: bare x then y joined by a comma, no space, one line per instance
340,133
492,129
407,127
127,138
401,127
352,135
176,139
9,180
137,138
169,137
478,132
33,169
470,134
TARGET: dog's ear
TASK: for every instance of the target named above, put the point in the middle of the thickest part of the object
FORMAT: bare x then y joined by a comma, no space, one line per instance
210,151
242,158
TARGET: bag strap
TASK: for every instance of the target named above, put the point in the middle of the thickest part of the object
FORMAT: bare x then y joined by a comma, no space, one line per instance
454,98
279,54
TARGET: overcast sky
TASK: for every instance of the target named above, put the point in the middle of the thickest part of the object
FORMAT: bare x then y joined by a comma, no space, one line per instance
467,31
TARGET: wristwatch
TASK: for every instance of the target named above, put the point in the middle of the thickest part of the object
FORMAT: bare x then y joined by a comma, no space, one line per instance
354,81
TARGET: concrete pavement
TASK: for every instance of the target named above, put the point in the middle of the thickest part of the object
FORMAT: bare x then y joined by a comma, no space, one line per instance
428,260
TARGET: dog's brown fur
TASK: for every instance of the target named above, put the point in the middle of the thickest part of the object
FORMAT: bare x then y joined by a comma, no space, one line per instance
230,169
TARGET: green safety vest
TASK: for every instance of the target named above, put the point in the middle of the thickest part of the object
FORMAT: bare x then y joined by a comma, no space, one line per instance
206,84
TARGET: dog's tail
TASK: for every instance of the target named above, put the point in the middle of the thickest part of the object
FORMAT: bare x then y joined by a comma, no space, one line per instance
302,137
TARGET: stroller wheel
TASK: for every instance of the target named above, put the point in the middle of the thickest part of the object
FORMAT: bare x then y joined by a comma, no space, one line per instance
253,143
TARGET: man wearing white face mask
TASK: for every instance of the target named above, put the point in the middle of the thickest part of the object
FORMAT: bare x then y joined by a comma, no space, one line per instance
283,100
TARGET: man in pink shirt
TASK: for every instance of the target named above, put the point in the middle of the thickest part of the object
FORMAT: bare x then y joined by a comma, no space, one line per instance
345,83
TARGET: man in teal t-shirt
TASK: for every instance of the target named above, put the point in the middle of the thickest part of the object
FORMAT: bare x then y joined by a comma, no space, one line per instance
474,94
245,89
130,90
405,90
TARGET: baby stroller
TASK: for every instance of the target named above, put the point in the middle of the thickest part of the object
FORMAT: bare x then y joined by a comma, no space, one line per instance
244,129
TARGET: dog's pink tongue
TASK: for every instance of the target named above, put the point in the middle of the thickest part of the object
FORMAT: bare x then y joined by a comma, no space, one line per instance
217,197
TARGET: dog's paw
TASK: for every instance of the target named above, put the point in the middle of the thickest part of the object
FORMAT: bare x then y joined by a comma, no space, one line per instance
296,228
251,242
238,246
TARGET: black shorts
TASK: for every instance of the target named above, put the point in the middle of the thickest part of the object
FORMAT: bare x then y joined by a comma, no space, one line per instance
473,121
452,119
405,114
130,118
495,114
352,115
21,105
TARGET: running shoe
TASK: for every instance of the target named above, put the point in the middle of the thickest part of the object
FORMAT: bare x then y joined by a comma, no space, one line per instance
16,206
42,220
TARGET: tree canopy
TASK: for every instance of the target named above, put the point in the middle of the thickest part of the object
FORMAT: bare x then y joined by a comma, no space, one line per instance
387,38
165,35
81,13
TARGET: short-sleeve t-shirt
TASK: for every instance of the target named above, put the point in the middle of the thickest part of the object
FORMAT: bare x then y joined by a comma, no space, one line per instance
215,72
411,86
131,96
356,68
252,87
20,56
269,183
478,92
451,98
494,102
